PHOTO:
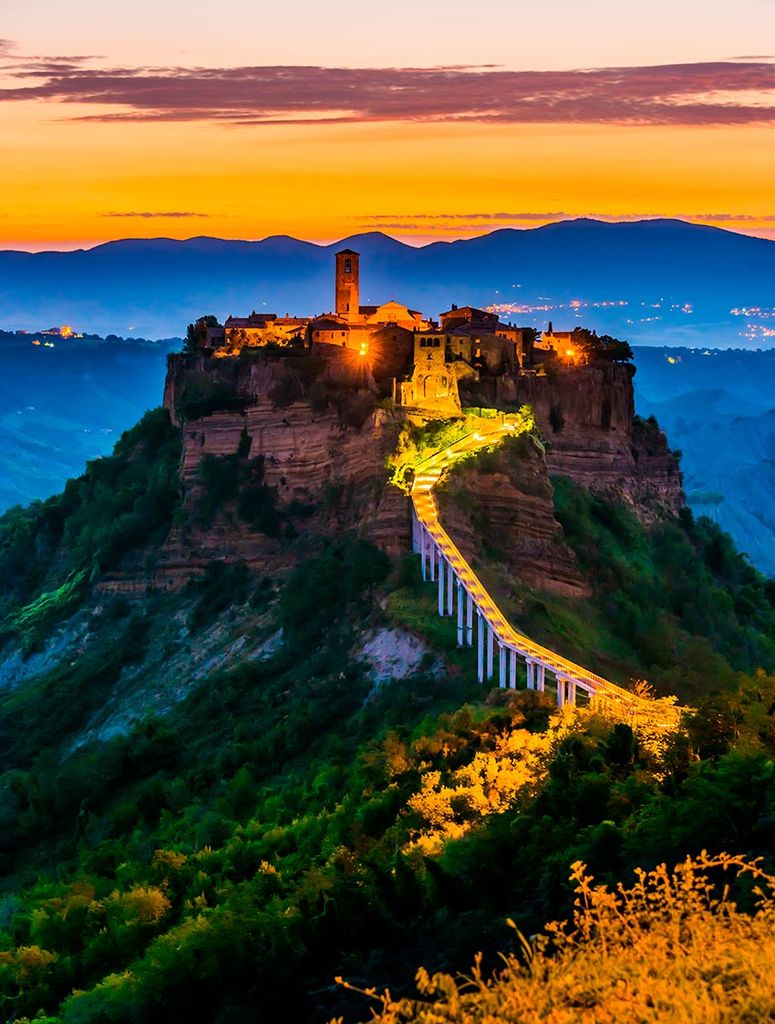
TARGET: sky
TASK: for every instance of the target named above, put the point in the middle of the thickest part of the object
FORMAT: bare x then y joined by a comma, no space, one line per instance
422,118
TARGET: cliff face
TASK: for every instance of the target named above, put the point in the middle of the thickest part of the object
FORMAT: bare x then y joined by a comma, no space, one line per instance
501,507
313,427
587,416
323,461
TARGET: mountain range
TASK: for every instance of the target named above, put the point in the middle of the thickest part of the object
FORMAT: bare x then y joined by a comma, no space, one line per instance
653,281
718,409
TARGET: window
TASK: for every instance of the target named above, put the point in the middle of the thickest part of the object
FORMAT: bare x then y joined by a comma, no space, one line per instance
348,266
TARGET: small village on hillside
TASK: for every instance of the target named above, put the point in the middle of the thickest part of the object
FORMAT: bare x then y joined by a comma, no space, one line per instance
419,361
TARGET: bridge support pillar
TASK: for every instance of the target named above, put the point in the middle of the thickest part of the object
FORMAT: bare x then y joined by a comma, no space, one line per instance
560,692
480,644
441,583
459,614
423,553
469,620
501,666
450,592
540,677
530,673
513,669
432,559
489,651
415,529
570,691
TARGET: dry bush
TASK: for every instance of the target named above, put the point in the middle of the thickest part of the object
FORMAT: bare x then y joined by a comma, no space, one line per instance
673,947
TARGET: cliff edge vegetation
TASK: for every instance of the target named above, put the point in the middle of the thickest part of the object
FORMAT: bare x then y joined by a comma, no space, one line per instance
213,800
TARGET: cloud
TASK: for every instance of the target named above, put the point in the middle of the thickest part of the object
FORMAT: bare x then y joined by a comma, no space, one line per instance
6,46
563,215
147,214
443,223
686,94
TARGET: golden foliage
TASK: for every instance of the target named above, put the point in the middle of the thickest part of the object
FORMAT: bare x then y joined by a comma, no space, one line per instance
673,947
27,963
450,804
142,904
168,861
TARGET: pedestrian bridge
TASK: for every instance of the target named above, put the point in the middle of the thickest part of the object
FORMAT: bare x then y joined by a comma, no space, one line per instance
481,623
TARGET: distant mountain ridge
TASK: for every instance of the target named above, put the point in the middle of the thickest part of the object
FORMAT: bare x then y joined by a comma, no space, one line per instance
155,286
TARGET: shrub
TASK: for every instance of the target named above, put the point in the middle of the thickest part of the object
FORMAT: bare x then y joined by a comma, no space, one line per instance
202,395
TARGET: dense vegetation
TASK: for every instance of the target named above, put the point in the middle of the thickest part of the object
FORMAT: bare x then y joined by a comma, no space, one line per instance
673,946
679,599
674,603
285,820
122,502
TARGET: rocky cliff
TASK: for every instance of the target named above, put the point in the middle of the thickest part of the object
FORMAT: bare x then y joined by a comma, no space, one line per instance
309,431
500,509
586,415
307,438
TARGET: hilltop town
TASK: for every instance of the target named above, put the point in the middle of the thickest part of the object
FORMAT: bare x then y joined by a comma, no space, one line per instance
418,362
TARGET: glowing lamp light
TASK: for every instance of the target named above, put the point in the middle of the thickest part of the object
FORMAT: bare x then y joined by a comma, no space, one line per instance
364,349
66,331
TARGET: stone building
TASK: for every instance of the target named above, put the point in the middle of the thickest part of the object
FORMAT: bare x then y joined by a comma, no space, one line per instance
417,361
356,326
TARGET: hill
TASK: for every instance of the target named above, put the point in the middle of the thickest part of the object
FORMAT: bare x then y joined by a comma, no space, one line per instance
63,405
241,752
678,281
717,408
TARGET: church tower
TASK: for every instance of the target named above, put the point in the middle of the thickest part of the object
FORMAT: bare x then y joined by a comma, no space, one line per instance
347,284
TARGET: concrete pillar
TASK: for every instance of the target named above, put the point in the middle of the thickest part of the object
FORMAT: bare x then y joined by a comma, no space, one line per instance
415,545
502,666
513,669
459,614
489,651
423,553
540,677
433,559
560,692
530,672
441,584
469,620
450,592
480,644
570,691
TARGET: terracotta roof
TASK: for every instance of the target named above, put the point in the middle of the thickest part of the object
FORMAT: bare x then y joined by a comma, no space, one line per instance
348,252
254,320
326,324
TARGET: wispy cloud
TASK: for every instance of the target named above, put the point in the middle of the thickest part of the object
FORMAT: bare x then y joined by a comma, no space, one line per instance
149,214
454,223
739,92
563,215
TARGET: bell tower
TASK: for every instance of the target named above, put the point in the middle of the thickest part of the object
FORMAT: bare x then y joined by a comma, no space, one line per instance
347,284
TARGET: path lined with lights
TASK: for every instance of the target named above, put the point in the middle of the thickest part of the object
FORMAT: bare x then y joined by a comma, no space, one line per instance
462,593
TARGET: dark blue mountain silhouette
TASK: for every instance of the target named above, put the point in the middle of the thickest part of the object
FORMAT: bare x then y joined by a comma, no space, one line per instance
156,286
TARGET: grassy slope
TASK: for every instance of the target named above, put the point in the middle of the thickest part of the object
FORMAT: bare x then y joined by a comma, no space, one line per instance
226,860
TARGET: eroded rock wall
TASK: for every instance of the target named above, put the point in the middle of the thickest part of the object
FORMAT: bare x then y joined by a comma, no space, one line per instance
587,416
501,507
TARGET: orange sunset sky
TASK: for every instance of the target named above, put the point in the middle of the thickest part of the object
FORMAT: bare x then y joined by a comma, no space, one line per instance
425,119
